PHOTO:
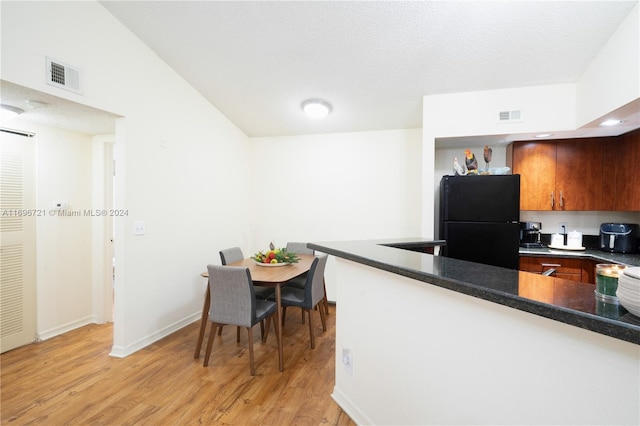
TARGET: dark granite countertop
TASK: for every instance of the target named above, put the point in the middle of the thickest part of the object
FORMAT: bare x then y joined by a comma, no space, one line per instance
558,299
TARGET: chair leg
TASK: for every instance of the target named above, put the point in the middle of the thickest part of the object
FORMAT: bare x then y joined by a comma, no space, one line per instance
323,317
262,330
276,325
325,301
311,335
265,331
220,331
238,334
212,335
252,367
302,312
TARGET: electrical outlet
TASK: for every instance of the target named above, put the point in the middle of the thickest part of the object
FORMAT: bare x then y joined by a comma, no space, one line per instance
138,228
564,227
347,360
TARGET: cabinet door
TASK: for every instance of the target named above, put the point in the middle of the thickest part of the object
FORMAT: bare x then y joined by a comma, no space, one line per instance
625,160
535,162
579,171
589,271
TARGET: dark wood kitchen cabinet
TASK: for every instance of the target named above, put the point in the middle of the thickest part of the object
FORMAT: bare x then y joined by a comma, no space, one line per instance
560,175
589,271
621,188
582,270
565,268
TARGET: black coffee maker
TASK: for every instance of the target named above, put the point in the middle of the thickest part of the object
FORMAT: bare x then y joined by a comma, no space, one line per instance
530,234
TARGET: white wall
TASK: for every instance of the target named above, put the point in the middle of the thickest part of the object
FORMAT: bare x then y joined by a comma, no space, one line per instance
613,77
586,222
441,357
181,166
343,186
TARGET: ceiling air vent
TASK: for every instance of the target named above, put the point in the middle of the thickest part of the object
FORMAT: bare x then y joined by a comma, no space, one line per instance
63,75
509,116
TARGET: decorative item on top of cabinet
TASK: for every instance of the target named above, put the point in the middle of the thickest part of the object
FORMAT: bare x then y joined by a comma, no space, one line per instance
561,175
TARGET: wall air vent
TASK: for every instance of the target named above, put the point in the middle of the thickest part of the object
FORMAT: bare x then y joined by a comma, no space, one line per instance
63,76
513,116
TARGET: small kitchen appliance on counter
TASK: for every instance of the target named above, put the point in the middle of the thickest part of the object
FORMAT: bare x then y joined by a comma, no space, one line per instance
620,237
530,234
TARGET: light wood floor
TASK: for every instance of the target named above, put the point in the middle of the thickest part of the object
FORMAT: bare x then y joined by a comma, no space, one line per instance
71,380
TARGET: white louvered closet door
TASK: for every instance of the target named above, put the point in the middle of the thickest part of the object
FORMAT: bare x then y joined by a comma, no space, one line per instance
18,241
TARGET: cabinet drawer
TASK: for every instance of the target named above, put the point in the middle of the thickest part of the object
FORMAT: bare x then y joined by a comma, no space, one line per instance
565,268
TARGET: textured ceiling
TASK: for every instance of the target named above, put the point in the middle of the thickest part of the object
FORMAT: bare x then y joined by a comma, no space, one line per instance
373,60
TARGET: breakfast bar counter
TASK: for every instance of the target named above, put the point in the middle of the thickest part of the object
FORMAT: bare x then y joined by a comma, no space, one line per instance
555,298
464,343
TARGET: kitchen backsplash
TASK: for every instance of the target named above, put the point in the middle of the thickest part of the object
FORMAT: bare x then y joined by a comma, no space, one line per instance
586,222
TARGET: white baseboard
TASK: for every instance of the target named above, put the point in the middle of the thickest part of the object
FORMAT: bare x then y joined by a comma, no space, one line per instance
350,408
124,351
64,328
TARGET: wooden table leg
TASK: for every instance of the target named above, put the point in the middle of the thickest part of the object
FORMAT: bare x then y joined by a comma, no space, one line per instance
279,327
203,322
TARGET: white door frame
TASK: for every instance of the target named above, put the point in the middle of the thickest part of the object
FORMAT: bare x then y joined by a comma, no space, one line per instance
103,228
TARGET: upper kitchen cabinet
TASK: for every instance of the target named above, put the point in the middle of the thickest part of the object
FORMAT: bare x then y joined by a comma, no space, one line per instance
561,175
622,162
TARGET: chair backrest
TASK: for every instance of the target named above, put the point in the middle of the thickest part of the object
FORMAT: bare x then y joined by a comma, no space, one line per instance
299,248
233,299
230,255
314,286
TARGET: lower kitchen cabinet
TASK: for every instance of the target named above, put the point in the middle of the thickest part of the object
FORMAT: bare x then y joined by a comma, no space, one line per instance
568,269
589,271
582,270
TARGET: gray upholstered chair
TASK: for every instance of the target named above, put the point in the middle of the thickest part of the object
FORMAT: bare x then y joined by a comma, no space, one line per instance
233,302
299,281
310,296
234,254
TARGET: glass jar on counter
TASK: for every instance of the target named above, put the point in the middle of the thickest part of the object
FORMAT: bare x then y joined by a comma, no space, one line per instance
607,278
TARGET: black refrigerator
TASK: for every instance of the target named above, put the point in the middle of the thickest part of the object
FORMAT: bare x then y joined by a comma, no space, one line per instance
479,219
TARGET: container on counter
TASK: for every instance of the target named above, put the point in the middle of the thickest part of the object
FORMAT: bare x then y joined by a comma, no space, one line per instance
557,240
574,239
609,306
607,279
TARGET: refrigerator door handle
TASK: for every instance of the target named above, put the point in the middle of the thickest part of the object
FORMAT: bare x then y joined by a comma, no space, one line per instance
552,200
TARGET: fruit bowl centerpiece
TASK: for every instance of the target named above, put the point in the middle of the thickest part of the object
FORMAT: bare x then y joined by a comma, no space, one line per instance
275,257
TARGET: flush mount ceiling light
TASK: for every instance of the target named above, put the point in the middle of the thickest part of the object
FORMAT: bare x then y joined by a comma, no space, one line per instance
316,108
9,112
611,122
544,135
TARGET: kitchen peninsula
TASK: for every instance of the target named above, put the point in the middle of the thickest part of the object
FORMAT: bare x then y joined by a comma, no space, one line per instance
460,342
